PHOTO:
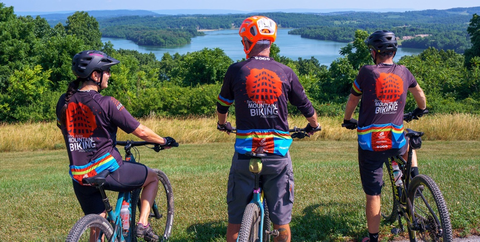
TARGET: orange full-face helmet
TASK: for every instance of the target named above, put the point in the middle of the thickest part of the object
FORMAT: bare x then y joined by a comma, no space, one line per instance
256,28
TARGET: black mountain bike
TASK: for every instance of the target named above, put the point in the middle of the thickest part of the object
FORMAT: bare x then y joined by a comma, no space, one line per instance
418,200
94,227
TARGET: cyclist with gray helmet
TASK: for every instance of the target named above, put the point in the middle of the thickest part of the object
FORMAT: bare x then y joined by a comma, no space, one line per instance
383,90
89,124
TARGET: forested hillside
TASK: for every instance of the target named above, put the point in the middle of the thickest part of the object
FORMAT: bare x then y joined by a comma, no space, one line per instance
442,29
35,69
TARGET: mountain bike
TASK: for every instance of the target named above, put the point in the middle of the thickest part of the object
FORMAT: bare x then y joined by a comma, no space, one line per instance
419,200
256,224
94,227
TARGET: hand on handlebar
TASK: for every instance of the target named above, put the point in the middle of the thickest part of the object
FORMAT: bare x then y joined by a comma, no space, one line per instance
417,113
169,143
226,127
350,124
310,130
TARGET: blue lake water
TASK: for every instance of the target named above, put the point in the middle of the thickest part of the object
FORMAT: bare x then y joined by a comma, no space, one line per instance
291,46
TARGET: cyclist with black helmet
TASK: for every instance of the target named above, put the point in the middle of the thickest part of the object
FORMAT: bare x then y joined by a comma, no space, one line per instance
383,90
261,89
89,123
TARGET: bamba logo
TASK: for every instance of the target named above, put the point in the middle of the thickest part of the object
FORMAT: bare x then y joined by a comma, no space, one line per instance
389,87
80,120
263,86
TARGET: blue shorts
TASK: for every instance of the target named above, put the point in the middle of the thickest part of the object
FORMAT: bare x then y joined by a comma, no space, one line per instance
371,168
127,177
276,179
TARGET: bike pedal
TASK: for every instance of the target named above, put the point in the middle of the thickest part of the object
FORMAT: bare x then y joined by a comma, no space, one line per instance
396,231
273,233
152,215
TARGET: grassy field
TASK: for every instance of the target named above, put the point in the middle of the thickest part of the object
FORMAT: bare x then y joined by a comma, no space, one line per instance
46,136
38,203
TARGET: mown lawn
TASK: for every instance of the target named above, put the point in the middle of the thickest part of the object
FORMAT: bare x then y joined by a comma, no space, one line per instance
38,203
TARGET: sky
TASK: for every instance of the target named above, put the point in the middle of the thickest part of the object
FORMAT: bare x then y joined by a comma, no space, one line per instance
249,6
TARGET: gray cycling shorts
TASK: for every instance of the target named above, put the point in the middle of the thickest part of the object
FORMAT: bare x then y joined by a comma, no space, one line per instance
276,179
371,168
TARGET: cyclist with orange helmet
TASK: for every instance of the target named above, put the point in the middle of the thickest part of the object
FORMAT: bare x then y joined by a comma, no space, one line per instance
89,122
261,88
383,90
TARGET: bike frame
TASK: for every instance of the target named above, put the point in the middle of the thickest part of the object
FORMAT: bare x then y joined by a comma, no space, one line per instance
405,207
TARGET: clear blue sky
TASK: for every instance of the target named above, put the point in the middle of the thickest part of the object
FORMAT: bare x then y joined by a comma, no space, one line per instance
256,5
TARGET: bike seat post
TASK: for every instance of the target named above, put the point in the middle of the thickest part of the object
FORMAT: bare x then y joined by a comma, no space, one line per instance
105,200
255,167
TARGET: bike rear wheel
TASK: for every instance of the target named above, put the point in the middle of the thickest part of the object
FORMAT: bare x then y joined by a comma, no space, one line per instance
389,205
163,209
250,224
430,220
90,226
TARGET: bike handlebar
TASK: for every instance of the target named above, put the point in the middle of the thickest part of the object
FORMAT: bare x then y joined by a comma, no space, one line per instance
410,115
157,147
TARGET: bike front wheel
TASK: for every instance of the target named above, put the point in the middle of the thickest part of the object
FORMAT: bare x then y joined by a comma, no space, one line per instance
430,218
91,227
389,204
163,208
250,224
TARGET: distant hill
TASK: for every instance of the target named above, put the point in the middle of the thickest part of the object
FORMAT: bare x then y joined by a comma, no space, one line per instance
54,18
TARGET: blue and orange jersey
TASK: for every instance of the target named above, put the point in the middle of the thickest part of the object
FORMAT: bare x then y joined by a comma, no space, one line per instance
383,89
90,129
261,88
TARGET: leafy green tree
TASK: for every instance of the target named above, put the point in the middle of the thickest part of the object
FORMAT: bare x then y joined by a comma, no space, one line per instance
86,28
474,31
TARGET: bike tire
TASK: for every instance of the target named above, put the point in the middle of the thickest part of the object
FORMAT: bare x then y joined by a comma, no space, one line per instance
81,230
389,205
429,224
267,223
163,209
250,224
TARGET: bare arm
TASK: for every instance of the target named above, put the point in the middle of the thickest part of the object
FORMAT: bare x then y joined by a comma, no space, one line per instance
222,118
143,132
351,105
313,120
419,96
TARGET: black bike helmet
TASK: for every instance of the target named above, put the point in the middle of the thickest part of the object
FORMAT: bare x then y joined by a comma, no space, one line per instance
382,41
86,62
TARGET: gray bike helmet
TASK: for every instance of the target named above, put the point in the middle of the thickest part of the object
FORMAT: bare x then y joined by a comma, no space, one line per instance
382,41
86,62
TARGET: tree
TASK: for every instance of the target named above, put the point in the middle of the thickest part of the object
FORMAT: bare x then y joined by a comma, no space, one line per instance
474,31
86,28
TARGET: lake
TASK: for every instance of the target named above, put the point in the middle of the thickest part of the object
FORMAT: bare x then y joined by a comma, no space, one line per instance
291,46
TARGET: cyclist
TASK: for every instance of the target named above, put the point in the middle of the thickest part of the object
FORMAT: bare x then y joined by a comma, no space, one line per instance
383,90
261,88
89,123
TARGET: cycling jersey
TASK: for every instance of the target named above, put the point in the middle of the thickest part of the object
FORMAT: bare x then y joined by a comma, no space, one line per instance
90,132
260,88
384,91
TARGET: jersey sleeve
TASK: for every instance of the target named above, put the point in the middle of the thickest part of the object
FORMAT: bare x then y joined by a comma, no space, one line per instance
226,97
356,89
412,82
120,116
298,97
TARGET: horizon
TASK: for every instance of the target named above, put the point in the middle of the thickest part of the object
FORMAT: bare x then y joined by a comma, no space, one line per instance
67,6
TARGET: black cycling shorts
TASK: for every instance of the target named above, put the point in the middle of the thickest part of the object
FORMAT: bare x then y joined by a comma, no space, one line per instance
127,177
371,168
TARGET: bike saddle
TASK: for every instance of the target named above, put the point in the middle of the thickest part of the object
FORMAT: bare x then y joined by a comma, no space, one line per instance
96,180
413,133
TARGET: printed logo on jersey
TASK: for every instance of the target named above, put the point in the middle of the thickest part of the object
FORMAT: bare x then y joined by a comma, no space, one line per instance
263,88
389,88
80,126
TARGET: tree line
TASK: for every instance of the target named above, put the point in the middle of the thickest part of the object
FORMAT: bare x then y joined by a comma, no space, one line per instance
35,69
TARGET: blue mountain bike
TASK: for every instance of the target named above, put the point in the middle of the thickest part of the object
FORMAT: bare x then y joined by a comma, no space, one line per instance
256,224
94,227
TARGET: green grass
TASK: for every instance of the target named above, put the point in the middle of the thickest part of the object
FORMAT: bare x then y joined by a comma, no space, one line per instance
38,203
